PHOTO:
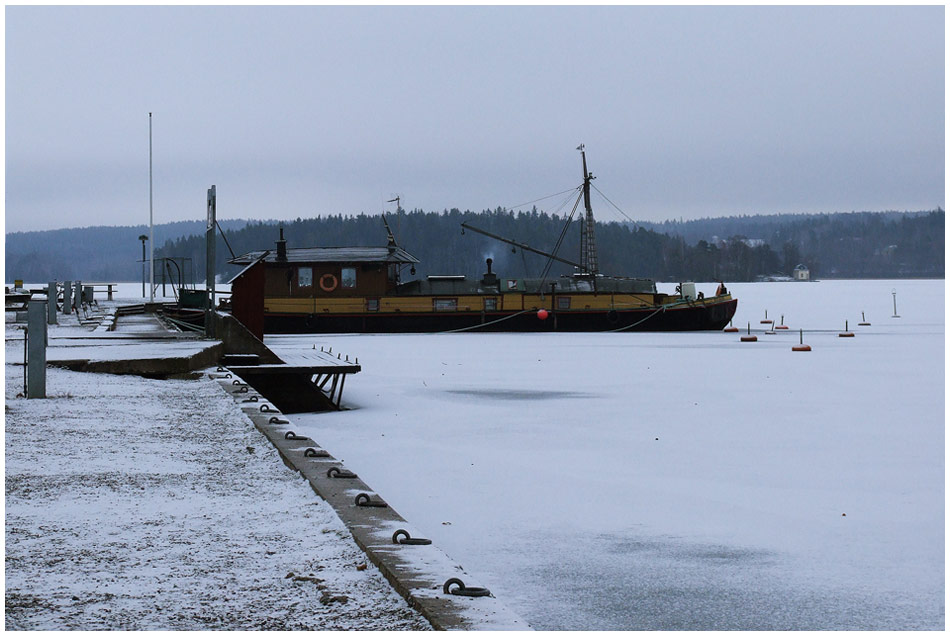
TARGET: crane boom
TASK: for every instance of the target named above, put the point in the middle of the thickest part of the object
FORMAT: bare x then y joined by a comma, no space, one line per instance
521,245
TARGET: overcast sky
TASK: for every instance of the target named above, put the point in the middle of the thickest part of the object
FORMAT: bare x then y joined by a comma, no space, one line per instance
303,111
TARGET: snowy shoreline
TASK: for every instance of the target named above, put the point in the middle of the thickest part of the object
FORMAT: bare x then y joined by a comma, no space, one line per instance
155,504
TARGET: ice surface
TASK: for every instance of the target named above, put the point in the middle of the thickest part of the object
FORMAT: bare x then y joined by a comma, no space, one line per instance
673,481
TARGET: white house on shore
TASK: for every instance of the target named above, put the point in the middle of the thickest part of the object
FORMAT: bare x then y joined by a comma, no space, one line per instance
800,272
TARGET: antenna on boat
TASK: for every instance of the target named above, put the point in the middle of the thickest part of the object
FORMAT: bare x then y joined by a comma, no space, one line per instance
389,235
392,239
588,245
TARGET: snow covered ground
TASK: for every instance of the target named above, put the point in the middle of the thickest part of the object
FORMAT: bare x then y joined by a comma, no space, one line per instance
149,504
673,481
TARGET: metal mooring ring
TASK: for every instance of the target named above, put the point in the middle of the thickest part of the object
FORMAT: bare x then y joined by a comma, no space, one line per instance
222,377
277,420
293,436
461,590
334,472
236,382
364,501
265,408
253,398
408,540
313,452
243,389
221,369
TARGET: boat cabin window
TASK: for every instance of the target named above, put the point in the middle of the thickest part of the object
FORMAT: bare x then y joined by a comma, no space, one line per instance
304,277
491,304
563,302
445,304
372,304
348,278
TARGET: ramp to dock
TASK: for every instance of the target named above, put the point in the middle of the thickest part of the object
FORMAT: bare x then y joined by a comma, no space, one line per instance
305,382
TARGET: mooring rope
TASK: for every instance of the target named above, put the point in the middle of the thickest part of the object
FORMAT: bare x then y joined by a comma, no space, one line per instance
658,310
485,324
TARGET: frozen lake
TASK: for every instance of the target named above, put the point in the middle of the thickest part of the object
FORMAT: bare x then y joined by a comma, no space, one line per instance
673,481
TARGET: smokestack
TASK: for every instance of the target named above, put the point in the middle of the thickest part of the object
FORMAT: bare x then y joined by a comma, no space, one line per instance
281,246
489,279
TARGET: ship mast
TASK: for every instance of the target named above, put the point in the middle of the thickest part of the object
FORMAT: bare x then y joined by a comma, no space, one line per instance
588,244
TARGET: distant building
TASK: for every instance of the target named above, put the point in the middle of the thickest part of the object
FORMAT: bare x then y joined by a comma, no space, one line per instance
800,272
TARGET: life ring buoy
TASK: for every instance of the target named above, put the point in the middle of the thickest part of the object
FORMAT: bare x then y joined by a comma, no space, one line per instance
328,282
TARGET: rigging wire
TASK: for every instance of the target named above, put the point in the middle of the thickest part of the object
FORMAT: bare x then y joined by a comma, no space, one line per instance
560,240
550,196
612,203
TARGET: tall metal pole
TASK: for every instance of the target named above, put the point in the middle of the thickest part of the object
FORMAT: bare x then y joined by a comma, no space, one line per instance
143,238
151,231
209,262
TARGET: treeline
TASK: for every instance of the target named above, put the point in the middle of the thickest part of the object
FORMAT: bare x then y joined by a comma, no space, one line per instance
843,245
97,253
856,245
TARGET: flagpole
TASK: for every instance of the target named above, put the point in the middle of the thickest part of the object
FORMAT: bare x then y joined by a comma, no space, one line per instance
151,233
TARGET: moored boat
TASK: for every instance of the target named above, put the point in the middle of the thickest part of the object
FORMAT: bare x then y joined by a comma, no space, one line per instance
360,290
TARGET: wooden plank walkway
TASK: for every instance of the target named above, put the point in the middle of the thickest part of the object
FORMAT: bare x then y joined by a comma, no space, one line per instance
307,381
317,361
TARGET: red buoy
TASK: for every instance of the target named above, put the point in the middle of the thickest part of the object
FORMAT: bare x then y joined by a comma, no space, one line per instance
749,337
846,333
542,314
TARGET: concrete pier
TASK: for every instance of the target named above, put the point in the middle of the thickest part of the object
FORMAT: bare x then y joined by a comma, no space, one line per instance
417,572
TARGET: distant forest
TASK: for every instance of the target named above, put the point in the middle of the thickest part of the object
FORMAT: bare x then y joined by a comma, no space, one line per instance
840,245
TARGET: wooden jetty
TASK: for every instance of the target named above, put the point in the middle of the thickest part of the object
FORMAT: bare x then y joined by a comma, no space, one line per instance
308,381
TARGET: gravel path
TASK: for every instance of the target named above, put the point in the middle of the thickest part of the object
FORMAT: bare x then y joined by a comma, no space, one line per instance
148,504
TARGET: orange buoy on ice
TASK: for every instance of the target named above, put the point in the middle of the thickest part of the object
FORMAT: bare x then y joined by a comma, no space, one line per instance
863,323
766,321
782,325
846,333
801,346
750,337
731,329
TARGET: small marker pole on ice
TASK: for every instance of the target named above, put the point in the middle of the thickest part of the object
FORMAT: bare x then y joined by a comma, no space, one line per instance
846,333
749,337
801,346
894,294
